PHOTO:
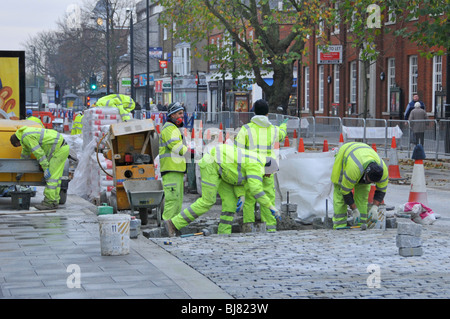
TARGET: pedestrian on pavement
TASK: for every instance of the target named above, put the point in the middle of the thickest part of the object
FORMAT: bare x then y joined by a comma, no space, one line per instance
356,166
51,151
226,169
123,102
260,136
77,125
30,117
172,159
411,105
417,119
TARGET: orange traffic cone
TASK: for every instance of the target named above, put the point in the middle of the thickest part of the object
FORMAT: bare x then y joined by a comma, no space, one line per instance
286,141
66,122
418,190
394,169
301,147
341,140
325,146
208,134
220,135
374,146
157,129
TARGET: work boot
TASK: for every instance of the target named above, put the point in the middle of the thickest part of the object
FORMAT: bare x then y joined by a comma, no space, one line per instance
46,206
170,228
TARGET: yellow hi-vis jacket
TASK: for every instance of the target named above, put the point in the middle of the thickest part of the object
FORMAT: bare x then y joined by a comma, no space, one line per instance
36,119
260,136
77,126
171,149
237,166
40,142
350,163
123,102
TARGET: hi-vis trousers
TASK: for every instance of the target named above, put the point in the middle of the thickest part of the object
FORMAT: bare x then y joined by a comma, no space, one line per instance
173,185
361,197
211,184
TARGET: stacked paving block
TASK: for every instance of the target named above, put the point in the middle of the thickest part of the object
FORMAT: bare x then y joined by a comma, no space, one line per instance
408,239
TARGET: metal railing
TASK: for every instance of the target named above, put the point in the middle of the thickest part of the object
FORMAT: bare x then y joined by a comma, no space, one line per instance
315,130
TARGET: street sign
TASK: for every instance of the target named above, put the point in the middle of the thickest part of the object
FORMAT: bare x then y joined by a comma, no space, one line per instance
331,55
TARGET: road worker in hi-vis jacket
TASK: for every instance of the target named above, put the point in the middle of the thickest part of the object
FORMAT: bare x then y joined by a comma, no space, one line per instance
172,160
51,151
226,169
356,166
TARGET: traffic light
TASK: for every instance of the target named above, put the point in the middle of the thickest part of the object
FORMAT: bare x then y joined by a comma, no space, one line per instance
57,95
88,101
93,82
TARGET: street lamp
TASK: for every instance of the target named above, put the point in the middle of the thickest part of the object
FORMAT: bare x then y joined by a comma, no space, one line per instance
131,53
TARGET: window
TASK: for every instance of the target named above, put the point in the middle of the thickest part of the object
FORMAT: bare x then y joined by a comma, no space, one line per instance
338,19
353,81
437,76
336,83
182,59
321,87
306,107
413,74
390,77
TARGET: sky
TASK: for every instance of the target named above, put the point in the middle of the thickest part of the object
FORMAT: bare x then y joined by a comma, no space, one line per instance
20,20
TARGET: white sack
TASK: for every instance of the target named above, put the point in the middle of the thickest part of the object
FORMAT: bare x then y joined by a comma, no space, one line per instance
307,178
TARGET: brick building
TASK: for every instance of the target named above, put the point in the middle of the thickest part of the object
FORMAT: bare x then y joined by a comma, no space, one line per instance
328,89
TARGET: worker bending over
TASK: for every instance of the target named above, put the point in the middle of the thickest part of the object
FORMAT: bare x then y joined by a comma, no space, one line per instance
260,136
172,160
51,151
226,168
356,166
123,102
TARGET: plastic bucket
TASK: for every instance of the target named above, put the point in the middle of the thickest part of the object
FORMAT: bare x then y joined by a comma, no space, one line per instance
114,234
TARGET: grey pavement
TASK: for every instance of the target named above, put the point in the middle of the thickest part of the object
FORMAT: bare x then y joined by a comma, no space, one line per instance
37,251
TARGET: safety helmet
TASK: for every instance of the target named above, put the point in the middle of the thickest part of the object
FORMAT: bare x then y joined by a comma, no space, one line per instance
29,112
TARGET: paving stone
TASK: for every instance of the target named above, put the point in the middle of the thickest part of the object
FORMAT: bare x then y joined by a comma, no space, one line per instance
409,228
408,241
410,252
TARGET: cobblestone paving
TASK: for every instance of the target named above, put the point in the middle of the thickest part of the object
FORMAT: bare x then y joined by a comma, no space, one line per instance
318,264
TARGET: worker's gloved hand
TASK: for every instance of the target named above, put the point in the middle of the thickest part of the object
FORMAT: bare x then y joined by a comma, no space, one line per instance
356,216
47,174
275,212
373,213
240,204
19,176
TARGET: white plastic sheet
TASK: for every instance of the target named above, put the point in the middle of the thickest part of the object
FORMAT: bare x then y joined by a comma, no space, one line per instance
307,178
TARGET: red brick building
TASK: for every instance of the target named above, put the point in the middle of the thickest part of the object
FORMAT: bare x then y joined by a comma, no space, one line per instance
399,72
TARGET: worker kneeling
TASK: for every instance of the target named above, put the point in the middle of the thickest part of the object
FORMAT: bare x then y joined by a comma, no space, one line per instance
226,169
51,151
356,166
